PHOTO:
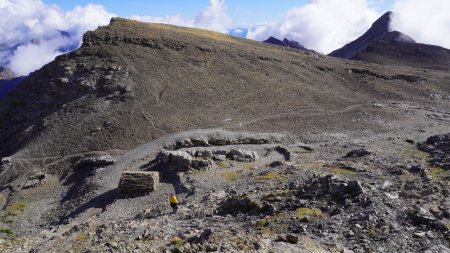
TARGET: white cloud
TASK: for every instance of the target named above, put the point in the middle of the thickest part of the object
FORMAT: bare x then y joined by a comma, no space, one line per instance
425,21
214,17
32,56
322,25
173,20
38,27
326,25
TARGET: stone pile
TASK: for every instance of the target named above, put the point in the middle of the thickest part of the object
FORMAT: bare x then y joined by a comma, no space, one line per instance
138,183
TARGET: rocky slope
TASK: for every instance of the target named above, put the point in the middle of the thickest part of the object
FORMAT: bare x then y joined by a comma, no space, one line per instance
84,101
408,54
318,154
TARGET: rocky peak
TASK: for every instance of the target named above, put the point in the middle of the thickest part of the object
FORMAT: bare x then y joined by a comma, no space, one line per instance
285,43
381,25
379,31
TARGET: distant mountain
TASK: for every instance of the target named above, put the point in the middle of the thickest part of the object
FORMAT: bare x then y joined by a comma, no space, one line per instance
285,43
379,45
378,31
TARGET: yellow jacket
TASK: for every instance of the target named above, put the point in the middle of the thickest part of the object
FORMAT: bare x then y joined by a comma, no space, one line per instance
173,200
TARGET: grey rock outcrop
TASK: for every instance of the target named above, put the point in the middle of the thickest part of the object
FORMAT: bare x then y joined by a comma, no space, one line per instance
438,146
5,163
174,160
358,153
138,183
242,204
330,186
35,181
100,161
242,155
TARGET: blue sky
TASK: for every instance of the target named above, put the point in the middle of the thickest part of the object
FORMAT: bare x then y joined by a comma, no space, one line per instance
247,11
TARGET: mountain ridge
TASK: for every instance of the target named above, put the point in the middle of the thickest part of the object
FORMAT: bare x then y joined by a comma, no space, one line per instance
99,69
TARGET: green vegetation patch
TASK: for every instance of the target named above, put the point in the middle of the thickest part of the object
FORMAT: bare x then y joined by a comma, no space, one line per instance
338,170
246,165
6,231
415,153
301,150
177,241
269,176
275,224
439,173
16,209
222,165
79,243
13,211
276,194
307,214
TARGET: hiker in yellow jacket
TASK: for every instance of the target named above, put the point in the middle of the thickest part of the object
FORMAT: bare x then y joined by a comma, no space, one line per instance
173,202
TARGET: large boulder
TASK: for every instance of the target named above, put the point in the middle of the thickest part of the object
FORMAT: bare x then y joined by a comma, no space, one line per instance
5,163
358,153
243,155
35,181
243,204
175,160
201,164
138,183
330,186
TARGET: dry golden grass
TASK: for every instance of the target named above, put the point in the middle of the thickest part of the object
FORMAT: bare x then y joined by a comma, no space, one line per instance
229,175
309,213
